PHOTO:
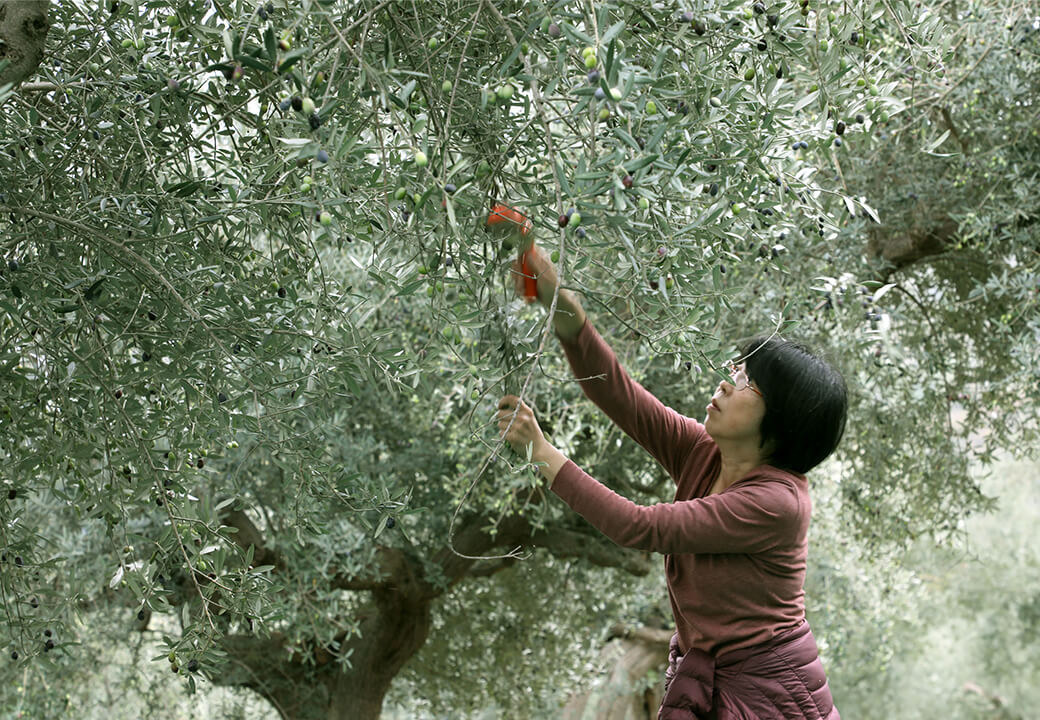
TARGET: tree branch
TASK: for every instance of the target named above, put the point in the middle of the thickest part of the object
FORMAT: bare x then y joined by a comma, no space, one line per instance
592,547
492,568
393,571
642,633
248,534
45,86
474,540
253,662
953,130
513,531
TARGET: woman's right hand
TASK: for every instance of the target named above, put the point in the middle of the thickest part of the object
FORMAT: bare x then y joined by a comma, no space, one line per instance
570,316
539,265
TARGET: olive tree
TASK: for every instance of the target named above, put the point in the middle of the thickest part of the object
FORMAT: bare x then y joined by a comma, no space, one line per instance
254,328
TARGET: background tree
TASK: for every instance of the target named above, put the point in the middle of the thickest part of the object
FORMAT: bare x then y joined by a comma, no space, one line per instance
254,333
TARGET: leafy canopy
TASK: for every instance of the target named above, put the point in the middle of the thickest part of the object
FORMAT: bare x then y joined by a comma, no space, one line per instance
184,333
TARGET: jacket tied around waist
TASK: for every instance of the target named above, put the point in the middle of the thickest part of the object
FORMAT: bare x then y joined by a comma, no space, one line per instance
779,680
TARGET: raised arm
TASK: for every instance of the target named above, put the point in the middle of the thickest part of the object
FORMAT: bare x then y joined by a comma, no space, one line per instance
664,433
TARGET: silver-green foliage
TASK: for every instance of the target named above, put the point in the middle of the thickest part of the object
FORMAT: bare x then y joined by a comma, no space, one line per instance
179,332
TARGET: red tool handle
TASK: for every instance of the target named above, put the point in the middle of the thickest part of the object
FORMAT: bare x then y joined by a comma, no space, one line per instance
501,213
530,282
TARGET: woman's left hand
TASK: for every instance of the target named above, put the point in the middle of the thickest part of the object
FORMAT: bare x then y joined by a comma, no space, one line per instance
524,429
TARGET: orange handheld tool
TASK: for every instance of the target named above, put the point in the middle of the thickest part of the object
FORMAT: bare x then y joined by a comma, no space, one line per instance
505,214
530,282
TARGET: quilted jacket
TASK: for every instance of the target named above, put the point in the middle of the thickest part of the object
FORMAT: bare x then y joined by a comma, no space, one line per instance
779,680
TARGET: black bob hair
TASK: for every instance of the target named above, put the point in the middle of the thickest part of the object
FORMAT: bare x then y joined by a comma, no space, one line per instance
806,402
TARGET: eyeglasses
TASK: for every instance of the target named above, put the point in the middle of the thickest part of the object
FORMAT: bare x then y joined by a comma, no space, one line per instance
741,382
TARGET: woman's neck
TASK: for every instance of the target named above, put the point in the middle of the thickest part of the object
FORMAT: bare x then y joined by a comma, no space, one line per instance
736,463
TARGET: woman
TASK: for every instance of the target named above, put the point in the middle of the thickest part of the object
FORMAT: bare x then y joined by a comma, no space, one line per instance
734,538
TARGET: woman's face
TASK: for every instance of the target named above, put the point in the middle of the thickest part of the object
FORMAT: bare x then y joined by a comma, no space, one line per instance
735,416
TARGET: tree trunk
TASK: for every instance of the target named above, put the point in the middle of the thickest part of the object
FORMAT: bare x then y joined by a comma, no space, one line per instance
620,694
394,628
264,666
388,640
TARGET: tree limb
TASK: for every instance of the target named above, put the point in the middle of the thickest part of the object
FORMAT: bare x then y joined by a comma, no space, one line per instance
642,633
45,86
394,570
953,130
473,539
594,548
248,534
492,568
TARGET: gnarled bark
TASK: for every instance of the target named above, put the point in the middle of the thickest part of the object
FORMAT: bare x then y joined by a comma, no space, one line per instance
928,231
394,622
23,31
630,655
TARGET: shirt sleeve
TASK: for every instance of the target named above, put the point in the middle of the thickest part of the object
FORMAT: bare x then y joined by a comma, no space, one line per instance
664,433
758,516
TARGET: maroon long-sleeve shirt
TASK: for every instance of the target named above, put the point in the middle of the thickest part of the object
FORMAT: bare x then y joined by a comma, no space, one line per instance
735,560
